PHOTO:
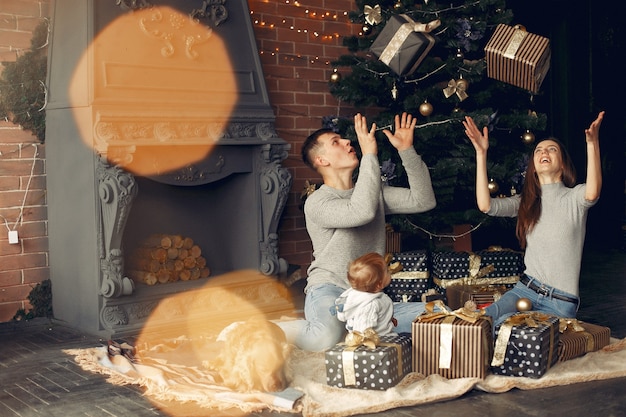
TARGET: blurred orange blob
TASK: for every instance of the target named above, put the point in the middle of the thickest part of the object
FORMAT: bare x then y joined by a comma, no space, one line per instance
154,91
197,316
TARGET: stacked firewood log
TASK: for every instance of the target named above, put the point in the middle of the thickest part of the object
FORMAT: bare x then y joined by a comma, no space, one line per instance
164,258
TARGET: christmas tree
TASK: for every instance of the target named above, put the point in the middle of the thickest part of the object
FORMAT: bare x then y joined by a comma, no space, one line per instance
440,73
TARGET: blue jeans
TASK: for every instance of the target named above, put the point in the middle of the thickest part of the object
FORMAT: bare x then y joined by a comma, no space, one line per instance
507,304
321,330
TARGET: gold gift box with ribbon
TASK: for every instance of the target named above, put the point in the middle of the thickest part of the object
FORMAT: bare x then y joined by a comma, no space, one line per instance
403,43
368,361
518,57
453,344
578,338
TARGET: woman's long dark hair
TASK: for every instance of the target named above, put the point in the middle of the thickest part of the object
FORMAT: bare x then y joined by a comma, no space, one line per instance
530,205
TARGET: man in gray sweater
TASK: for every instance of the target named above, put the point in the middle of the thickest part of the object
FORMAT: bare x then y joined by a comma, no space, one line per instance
346,219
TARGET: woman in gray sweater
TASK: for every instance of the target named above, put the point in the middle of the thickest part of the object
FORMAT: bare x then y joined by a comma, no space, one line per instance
551,215
346,219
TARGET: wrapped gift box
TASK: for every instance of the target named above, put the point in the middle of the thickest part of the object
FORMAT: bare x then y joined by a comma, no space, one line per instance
487,267
401,45
526,345
413,280
451,346
517,57
578,338
481,295
369,369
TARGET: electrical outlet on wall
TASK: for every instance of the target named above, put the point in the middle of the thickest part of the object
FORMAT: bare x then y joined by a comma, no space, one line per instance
13,238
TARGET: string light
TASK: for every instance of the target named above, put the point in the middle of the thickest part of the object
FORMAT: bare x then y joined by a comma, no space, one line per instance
432,235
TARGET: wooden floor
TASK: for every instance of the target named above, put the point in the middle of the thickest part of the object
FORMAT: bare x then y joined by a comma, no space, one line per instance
38,379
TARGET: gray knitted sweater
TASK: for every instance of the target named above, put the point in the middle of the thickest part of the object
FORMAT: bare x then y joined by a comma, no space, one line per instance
554,246
345,224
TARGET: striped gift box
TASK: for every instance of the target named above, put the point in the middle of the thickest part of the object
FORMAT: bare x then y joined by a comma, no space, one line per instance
583,338
517,57
460,349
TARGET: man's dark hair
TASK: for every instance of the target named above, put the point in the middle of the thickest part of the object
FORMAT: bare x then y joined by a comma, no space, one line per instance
310,144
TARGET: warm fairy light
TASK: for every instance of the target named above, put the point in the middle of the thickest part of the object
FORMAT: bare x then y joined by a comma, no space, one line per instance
310,13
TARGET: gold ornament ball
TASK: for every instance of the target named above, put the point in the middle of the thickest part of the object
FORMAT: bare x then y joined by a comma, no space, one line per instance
335,77
426,109
524,304
398,6
528,137
493,186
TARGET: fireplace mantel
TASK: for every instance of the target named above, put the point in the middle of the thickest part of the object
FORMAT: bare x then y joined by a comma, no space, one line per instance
156,120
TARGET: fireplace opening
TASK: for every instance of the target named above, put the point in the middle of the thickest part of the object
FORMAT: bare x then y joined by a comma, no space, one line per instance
217,216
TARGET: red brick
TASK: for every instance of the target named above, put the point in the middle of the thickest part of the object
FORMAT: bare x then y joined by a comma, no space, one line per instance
8,310
7,22
17,262
10,278
21,7
16,198
16,39
35,245
36,275
16,292
8,249
258,6
9,183
29,23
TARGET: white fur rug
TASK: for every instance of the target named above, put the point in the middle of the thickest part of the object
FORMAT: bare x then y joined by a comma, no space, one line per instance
165,376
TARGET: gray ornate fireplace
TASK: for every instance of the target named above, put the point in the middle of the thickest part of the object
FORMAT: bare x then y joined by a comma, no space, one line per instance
158,122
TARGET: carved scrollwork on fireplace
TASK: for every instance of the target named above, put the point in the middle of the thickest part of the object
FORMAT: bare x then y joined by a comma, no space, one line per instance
116,189
275,184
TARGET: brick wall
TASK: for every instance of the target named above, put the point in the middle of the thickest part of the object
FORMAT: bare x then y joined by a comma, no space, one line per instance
297,42
22,176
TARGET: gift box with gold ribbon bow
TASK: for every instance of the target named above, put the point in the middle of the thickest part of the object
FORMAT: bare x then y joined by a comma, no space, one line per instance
578,338
526,345
368,361
412,279
486,267
452,343
403,43
517,57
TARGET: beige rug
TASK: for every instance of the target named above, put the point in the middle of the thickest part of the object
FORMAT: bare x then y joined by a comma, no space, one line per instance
166,375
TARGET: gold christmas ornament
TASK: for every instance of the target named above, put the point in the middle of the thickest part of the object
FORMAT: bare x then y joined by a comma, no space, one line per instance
493,186
459,54
373,15
528,137
426,109
524,304
335,77
398,6
366,29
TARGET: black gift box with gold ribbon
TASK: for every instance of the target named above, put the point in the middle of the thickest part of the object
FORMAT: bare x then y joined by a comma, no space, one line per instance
526,345
365,368
413,280
403,43
485,267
